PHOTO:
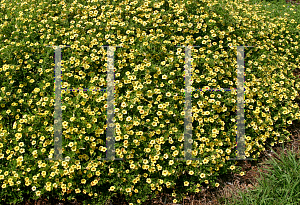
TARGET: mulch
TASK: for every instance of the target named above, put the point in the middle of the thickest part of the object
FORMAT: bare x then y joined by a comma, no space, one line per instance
297,2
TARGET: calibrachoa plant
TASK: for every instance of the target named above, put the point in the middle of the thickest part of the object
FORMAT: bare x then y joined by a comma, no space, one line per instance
149,94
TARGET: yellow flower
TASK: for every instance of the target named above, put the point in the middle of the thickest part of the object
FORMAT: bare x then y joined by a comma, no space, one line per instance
38,193
165,173
112,188
205,161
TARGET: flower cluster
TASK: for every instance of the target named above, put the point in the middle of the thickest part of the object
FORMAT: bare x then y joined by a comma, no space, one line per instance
149,93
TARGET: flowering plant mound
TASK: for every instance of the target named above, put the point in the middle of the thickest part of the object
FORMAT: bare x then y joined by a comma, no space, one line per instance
149,94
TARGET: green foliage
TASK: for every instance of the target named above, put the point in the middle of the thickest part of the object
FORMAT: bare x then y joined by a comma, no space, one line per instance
283,174
149,94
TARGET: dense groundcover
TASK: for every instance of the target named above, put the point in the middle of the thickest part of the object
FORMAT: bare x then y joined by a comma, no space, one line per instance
149,94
